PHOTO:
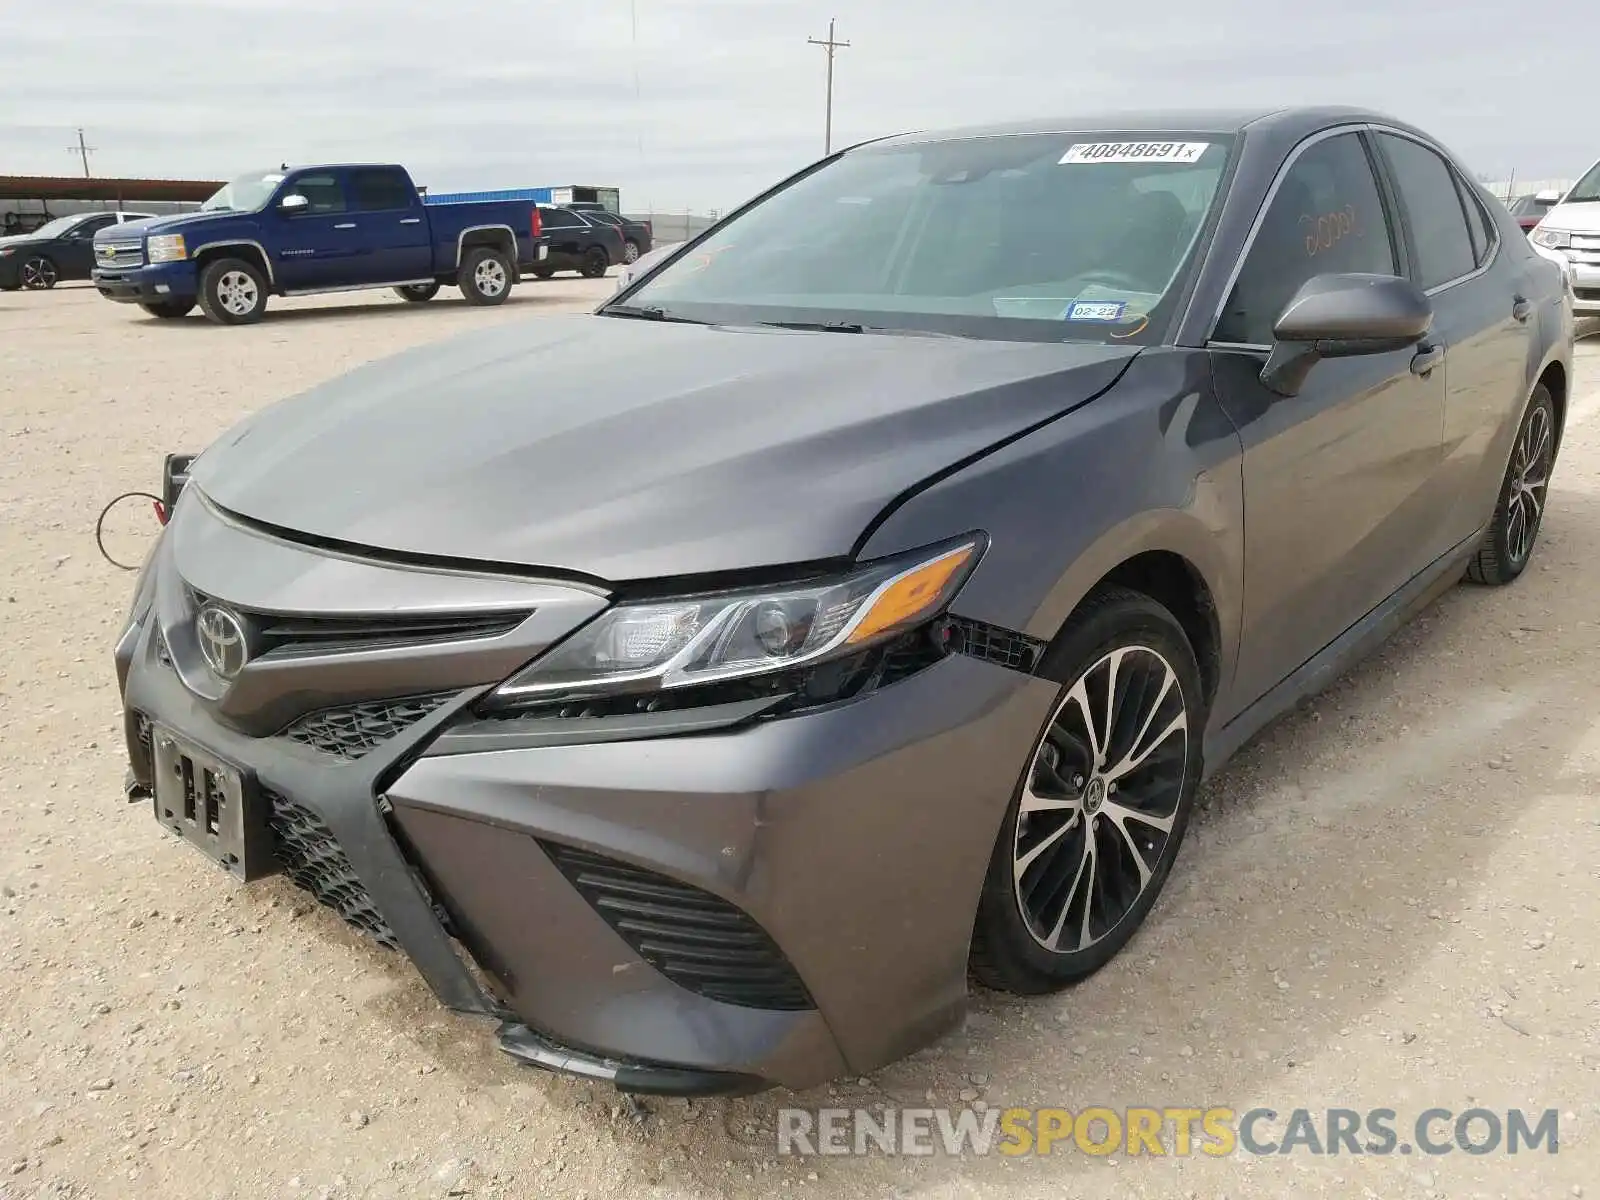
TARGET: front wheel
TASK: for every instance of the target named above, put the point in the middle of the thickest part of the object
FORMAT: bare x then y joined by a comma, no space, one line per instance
1103,803
39,273
232,292
417,293
168,310
596,263
543,272
485,276
1508,545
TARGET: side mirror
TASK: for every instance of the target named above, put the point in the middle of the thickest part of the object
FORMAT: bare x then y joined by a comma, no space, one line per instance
294,202
1340,316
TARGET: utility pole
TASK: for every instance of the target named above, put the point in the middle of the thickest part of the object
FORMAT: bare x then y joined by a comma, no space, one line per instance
830,45
82,150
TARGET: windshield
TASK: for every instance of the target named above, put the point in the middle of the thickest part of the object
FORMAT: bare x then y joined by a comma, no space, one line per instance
1044,237
245,194
1587,189
54,229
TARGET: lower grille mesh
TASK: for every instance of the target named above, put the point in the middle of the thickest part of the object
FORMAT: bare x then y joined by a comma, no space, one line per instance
356,729
697,940
314,860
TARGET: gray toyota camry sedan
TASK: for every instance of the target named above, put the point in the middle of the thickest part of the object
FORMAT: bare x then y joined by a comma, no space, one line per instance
706,687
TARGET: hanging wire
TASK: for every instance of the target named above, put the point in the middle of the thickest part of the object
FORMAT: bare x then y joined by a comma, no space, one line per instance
99,526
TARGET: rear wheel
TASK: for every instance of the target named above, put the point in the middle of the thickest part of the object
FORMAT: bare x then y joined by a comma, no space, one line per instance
232,291
1508,545
1103,803
485,275
630,252
39,273
596,263
417,293
169,309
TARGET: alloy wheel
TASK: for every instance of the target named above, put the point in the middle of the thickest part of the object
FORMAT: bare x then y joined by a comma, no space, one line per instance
1530,476
489,277
630,253
38,273
237,292
1100,799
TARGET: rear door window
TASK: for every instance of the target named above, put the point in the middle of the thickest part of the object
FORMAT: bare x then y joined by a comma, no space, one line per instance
1437,221
377,189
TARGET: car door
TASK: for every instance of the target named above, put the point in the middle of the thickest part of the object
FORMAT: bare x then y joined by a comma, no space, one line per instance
1481,315
1341,480
389,220
566,231
318,246
74,257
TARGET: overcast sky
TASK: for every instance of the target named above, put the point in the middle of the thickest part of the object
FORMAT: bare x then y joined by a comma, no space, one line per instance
700,103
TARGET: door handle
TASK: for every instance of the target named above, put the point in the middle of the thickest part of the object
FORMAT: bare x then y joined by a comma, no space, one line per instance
345,225
1427,357
1521,309
411,221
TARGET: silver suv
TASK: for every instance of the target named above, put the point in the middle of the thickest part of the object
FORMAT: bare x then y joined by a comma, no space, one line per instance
1570,235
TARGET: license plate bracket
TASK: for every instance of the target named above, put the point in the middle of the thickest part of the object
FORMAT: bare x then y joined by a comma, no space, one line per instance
213,805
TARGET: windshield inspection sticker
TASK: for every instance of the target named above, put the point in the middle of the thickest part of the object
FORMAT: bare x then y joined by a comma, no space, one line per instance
1095,310
1134,152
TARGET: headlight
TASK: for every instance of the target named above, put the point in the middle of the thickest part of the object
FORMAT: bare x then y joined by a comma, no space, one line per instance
7,251
1551,239
704,639
166,247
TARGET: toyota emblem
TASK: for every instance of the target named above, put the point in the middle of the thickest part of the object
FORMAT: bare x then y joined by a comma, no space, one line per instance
223,640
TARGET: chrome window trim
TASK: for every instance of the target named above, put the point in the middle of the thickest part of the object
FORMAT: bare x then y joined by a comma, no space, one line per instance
1455,174
461,238
1314,139
262,250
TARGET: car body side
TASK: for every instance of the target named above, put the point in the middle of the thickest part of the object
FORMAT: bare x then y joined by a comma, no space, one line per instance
1179,523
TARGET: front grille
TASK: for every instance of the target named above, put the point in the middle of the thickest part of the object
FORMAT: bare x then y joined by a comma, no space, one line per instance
328,635
697,940
312,857
355,729
115,256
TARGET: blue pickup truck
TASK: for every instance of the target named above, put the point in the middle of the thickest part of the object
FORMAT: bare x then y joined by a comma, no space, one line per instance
301,231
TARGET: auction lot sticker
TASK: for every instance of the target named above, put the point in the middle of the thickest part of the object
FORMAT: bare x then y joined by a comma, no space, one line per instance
1134,152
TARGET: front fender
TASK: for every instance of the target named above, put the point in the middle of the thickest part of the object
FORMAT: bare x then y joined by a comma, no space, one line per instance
1154,464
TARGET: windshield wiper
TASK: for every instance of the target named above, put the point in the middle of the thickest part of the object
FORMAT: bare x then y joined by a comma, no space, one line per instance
646,312
854,327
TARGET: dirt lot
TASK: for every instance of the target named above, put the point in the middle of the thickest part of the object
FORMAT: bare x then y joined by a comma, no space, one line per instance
1389,901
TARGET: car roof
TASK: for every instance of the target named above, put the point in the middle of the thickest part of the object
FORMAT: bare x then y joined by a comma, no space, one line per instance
1302,119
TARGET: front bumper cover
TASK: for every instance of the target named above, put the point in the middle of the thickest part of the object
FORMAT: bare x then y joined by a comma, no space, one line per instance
855,836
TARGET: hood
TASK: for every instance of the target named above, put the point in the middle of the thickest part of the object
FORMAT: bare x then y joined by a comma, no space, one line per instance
631,449
21,239
1576,218
173,223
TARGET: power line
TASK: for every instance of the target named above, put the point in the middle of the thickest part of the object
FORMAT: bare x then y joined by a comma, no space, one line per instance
82,150
831,45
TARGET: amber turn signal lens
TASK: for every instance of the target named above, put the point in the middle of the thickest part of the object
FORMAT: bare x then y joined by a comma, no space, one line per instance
914,595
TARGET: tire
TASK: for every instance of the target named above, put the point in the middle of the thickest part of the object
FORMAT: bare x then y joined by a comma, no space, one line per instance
39,273
418,293
596,262
1508,544
543,272
169,310
630,253
485,276
1128,637
232,291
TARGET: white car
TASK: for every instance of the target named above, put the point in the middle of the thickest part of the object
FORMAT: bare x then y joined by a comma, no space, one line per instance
643,263
1570,234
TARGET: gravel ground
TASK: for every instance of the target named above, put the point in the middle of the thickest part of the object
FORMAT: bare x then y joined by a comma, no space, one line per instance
1388,901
